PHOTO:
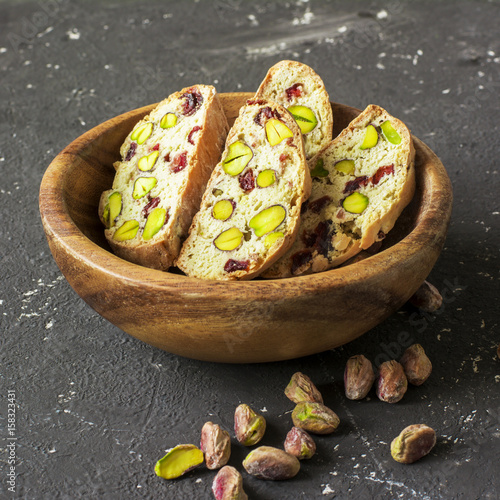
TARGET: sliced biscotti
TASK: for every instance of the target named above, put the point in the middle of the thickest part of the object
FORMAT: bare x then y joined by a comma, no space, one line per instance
167,160
298,88
250,211
360,184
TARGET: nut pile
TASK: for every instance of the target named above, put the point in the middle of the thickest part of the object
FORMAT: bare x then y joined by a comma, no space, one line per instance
310,416
264,462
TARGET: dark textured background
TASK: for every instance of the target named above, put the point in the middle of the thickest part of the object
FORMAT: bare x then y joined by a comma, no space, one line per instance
95,407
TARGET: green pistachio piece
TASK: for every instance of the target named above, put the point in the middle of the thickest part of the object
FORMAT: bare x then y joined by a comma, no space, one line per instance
223,209
345,166
355,203
147,162
229,239
169,120
266,178
142,133
319,170
390,133
272,238
178,461
267,220
305,118
126,231
142,186
154,223
114,208
277,131
371,138
237,158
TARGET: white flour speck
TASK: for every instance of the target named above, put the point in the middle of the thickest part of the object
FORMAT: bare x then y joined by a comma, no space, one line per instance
327,490
382,14
73,34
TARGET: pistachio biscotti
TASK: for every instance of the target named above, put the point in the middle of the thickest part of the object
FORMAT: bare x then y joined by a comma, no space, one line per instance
167,160
299,88
360,184
250,211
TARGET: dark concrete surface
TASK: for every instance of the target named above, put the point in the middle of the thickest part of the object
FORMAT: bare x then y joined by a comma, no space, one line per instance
92,409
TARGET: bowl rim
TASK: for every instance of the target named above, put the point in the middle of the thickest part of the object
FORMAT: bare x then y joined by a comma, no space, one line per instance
59,225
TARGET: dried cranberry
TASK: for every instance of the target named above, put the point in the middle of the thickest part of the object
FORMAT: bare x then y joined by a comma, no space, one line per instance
131,151
156,147
190,136
317,205
323,243
375,178
180,162
192,101
356,184
247,181
265,114
153,203
319,240
294,91
236,265
300,259
283,157
167,157
309,239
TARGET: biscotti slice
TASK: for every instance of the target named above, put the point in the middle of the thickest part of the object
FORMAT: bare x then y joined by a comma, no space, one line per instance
298,88
250,211
167,160
360,184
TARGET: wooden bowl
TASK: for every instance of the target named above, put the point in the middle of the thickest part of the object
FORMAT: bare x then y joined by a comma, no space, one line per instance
249,321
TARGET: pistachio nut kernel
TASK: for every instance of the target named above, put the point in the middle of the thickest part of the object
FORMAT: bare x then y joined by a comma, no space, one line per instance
315,417
126,231
266,178
229,240
355,203
345,166
416,364
392,383
267,220
154,223
141,134
105,215
223,210
178,461
114,206
390,133
228,485
319,170
427,298
147,162
237,158
299,444
413,443
371,138
305,118
168,120
216,444
301,389
358,377
249,426
272,238
277,131
142,186
267,462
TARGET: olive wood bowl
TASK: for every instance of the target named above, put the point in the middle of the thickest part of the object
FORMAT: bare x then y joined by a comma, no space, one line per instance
242,321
